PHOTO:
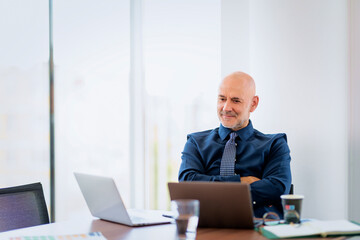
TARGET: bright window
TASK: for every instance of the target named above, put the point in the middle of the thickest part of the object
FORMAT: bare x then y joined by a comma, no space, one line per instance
92,62
182,61
180,68
24,93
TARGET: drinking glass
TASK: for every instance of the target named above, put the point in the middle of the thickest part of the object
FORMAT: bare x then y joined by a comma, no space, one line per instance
186,215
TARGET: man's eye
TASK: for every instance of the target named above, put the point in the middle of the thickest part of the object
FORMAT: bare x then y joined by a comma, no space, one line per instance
221,99
236,101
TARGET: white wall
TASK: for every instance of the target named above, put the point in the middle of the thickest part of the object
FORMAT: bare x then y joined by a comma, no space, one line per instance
298,55
235,42
354,133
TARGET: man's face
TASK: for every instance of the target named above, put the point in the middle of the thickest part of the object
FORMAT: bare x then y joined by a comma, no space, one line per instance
235,102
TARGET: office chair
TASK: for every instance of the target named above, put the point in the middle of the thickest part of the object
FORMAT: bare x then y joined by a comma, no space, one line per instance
22,206
291,189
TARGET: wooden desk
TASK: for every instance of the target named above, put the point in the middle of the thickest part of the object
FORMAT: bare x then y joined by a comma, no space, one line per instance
114,231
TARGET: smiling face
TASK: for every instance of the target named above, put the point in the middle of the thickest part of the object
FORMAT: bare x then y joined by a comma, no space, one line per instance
236,100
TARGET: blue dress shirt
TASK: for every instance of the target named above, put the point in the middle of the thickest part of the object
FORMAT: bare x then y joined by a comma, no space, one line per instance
265,156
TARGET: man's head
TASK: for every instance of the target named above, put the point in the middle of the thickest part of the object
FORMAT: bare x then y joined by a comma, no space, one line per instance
236,100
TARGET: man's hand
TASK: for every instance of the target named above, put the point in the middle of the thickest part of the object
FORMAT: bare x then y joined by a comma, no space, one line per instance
249,179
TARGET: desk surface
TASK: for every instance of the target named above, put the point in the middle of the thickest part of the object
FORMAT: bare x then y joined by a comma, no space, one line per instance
114,231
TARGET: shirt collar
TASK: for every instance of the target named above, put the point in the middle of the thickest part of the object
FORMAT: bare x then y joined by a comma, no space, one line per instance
243,133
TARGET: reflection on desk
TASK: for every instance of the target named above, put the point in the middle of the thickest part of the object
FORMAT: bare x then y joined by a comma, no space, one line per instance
114,231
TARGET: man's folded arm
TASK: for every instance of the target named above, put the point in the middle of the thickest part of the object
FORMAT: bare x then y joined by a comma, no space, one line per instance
192,167
276,178
188,172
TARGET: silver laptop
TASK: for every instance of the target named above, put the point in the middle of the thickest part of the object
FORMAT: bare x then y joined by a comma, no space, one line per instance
222,204
104,201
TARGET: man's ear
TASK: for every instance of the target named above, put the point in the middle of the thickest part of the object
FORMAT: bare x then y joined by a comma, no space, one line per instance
254,103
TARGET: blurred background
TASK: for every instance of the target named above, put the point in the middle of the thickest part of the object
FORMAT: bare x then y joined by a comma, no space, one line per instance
133,78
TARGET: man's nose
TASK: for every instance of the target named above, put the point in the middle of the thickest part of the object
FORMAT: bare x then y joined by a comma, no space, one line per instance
227,106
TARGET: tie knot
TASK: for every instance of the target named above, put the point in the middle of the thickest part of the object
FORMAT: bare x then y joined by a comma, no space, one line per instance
233,135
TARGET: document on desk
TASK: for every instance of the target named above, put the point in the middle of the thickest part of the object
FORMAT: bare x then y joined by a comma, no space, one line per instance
84,236
312,228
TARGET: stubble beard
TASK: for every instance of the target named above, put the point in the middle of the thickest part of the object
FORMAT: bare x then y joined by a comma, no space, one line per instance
237,126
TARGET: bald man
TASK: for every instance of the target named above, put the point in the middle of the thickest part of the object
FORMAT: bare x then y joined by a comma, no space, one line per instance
262,160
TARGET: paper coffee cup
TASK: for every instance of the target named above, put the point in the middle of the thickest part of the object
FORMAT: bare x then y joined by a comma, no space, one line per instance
292,207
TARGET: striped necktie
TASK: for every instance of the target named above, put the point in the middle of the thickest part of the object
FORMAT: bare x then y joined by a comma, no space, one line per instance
228,159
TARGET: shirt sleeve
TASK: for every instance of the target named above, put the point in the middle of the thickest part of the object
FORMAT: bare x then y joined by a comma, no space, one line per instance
276,178
192,166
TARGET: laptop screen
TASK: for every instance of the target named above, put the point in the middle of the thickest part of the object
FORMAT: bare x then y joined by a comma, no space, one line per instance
222,205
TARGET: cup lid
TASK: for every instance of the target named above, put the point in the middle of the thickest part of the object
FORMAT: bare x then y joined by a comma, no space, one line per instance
292,196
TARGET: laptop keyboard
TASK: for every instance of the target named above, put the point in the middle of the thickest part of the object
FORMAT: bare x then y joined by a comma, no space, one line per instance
142,220
146,216
136,219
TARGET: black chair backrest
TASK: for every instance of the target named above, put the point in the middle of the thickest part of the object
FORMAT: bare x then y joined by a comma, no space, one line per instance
291,189
22,206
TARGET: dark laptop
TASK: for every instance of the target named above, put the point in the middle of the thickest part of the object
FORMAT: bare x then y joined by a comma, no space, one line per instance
222,205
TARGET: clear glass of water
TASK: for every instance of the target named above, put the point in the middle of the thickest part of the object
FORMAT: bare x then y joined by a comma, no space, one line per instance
186,215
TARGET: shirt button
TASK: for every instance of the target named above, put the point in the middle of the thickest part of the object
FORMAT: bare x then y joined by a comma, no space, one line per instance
254,202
